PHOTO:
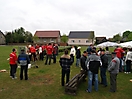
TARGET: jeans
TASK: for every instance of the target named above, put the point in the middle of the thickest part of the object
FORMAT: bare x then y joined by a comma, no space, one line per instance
120,68
90,77
103,75
77,61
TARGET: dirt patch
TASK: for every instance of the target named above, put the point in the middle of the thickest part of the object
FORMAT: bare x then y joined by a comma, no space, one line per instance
42,80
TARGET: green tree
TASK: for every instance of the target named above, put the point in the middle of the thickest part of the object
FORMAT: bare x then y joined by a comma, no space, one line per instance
129,37
35,39
64,38
117,38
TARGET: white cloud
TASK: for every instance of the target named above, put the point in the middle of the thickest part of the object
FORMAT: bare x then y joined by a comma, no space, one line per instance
105,17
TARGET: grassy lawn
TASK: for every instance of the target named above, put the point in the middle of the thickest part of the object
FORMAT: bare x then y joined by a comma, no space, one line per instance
44,82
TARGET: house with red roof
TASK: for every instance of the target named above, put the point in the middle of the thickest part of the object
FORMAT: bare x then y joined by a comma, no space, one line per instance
48,36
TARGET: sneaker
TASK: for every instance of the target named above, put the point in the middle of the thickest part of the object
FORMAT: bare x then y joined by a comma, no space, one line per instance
125,72
14,78
129,72
87,91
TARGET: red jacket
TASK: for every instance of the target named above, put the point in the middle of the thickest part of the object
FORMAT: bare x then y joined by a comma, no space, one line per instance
13,58
119,52
49,49
32,49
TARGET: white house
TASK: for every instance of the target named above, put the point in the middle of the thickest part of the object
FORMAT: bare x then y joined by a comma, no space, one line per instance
81,38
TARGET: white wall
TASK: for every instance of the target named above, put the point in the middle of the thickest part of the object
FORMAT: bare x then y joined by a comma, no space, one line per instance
79,41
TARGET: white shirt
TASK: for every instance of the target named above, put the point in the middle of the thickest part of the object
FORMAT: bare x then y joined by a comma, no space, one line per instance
73,51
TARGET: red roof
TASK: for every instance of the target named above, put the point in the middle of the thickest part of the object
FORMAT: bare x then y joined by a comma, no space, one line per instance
47,33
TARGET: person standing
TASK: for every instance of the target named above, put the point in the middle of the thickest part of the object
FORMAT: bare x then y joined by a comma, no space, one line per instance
89,49
23,60
13,64
113,69
83,64
103,68
128,61
49,50
78,55
65,63
119,51
33,53
93,65
55,50
40,51
72,53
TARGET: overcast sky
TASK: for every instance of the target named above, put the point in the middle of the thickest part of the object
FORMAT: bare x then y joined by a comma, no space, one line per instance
105,17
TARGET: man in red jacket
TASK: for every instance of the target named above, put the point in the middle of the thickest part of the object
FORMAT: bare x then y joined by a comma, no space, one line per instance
33,53
119,51
49,50
13,64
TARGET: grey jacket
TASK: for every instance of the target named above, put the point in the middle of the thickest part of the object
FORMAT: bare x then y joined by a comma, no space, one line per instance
93,57
114,66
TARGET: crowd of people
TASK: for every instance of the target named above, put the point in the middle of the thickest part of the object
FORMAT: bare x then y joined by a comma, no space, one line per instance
92,61
31,53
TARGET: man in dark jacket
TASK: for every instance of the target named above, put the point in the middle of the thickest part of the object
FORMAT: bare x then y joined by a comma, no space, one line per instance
78,55
83,64
103,68
23,60
65,63
93,65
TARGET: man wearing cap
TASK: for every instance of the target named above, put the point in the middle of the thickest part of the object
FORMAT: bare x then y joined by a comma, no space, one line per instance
103,68
78,55
23,60
113,68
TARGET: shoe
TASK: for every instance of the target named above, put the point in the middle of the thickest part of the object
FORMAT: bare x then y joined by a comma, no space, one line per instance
125,72
105,85
129,72
11,76
87,91
112,91
14,78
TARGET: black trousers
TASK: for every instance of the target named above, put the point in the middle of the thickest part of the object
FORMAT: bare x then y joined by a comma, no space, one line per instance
113,83
128,66
67,73
25,70
54,58
48,57
13,69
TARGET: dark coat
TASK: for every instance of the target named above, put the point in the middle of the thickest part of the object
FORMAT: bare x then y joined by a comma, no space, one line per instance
104,60
65,62
78,53
82,62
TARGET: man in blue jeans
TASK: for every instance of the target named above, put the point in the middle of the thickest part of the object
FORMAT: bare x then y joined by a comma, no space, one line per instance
93,65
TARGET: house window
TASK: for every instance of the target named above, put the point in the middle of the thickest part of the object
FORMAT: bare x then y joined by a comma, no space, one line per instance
79,41
72,41
87,41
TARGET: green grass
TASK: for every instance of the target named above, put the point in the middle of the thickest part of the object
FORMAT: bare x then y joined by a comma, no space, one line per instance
44,82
